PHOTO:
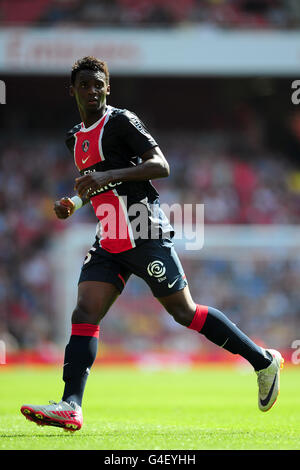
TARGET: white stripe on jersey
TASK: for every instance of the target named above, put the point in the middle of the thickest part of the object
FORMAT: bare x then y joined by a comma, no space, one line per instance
108,113
122,204
75,137
93,126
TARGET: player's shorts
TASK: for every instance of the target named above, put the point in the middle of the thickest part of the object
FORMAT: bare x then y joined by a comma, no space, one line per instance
155,261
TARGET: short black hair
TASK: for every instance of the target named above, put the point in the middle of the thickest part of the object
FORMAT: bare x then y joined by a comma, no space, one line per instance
89,63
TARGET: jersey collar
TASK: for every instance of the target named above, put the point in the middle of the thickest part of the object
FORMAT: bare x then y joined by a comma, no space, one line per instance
90,128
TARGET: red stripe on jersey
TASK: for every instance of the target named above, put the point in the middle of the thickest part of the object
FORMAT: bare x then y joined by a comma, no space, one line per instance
110,209
87,149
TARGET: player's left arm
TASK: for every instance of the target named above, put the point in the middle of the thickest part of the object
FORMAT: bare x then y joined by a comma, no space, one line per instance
154,165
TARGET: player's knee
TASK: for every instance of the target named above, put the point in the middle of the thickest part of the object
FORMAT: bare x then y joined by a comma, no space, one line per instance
182,316
85,312
81,315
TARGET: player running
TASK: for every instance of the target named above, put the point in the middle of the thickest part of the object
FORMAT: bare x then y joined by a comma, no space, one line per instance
117,158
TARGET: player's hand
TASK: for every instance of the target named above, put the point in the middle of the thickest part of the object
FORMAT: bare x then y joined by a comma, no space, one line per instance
64,208
87,184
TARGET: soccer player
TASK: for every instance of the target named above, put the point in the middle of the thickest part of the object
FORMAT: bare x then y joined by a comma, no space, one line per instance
117,158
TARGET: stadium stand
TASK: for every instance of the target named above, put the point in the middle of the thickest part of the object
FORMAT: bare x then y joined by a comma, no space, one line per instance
262,14
234,171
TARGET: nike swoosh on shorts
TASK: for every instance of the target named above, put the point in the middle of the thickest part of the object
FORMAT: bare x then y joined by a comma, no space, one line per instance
171,285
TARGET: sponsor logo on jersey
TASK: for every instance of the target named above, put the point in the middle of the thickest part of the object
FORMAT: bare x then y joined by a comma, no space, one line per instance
108,187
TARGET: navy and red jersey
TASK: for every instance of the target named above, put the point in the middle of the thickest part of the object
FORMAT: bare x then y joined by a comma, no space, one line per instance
115,141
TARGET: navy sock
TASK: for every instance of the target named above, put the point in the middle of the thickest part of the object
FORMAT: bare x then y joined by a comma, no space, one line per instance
80,354
216,327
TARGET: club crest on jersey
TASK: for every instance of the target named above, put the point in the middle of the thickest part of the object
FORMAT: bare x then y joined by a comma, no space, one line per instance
85,145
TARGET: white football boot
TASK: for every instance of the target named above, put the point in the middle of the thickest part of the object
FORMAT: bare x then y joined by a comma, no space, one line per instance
64,415
268,381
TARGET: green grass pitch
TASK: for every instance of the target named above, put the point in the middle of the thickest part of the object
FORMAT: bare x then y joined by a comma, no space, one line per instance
126,408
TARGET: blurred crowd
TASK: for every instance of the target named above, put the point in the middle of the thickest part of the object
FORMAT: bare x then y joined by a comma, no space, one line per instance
127,13
262,296
261,190
259,294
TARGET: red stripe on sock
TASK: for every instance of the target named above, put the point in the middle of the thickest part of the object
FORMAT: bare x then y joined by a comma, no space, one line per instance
199,318
85,329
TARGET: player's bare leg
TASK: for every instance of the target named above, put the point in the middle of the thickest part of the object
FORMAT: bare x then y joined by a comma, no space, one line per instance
94,300
216,327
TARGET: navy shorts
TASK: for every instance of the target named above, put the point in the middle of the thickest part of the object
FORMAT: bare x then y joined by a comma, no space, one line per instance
155,261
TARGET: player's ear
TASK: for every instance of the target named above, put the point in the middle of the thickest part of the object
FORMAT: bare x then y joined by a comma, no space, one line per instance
108,90
71,90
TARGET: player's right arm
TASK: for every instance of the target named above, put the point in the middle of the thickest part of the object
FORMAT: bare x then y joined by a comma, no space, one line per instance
66,206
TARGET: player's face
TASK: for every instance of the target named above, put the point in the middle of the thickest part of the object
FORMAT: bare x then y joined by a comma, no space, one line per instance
90,90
